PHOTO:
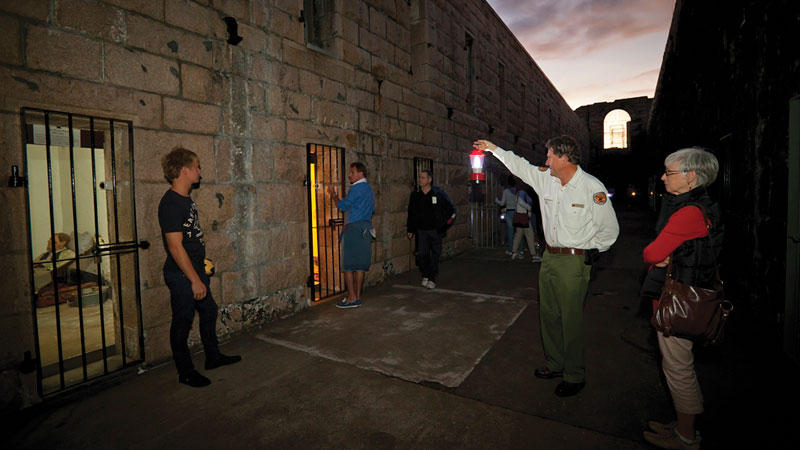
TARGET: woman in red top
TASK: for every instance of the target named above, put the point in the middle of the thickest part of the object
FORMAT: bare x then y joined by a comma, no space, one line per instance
693,245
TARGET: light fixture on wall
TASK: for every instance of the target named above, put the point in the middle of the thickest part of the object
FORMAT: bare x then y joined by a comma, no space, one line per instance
15,180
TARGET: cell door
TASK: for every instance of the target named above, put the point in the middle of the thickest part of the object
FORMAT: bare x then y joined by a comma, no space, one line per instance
83,246
326,167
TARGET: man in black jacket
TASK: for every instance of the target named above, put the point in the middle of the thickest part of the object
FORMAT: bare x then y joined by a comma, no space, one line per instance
430,212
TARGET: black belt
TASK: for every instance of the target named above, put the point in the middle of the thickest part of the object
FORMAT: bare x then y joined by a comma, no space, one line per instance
566,251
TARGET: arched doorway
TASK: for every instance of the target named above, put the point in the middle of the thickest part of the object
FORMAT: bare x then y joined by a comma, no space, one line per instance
615,129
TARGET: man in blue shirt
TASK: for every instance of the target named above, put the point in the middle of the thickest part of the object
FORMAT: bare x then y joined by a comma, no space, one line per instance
356,239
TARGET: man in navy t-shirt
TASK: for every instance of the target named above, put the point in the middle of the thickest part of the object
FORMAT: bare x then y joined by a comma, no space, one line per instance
184,270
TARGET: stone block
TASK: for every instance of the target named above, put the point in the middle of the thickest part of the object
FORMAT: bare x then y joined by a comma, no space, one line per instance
335,114
278,203
298,106
152,145
253,38
168,41
148,196
414,132
256,97
16,282
269,128
286,76
263,163
215,204
369,122
58,51
283,274
152,8
237,287
9,46
203,85
92,17
377,22
191,116
290,163
260,12
360,99
355,56
286,25
194,17
156,308
143,71
239,9
33,9
156,344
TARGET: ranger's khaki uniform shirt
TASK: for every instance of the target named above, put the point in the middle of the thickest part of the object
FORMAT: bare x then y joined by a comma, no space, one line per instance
578,215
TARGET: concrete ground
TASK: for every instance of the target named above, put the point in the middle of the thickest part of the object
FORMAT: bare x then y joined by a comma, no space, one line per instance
448,368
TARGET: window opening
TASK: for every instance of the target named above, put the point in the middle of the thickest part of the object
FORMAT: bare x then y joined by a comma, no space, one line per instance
421,164
325,167
468,46
615,129
84,258
319,23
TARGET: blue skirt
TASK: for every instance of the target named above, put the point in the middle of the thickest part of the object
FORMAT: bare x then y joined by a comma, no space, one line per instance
356,246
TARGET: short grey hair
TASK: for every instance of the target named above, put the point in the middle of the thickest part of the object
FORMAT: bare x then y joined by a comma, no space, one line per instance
696,159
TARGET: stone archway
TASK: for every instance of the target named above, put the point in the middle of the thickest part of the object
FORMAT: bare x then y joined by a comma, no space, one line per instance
593,116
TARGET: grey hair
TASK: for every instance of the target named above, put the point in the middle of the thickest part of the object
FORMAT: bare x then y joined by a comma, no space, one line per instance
696,159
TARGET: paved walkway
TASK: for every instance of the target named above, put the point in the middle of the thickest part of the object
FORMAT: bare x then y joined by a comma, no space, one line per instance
449,368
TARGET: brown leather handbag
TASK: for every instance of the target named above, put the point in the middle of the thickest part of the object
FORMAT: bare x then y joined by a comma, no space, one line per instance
692,312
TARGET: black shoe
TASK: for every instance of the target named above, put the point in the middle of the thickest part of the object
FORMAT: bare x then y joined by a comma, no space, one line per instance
544,372
194,379
222,360
567,389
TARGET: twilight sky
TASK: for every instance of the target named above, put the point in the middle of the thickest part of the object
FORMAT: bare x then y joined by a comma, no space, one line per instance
593,50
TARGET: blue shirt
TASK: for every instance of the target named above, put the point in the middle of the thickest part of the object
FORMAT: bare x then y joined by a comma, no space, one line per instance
359,204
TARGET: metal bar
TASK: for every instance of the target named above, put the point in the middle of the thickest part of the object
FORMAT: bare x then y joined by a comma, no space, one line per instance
39,388
311,190
54,273
330,228
116,237
341,173
135,238
76,233
98,260
322,223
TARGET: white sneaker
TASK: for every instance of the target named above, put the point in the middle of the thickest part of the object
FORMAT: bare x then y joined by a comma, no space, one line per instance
431,285
509,253
424,282
518,256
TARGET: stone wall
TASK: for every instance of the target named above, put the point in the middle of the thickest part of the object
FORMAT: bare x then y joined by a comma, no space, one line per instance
390,84
727,76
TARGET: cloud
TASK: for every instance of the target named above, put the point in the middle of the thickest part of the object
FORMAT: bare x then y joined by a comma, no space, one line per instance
559,29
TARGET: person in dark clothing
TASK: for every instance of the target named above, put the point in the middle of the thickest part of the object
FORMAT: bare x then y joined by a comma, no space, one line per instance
184,268
430,212
690,235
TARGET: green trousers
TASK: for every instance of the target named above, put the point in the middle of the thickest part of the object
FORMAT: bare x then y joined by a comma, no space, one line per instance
563,280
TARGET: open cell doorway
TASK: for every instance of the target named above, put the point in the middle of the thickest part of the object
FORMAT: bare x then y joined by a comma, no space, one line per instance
83,247
325,167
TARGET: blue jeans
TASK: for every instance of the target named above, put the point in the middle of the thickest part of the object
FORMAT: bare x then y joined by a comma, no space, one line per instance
183,308
510,229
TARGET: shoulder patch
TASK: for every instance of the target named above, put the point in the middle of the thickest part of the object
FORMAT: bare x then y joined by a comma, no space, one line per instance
543,168
600,198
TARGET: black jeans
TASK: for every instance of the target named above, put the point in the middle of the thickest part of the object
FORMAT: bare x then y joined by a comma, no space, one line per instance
183,308
429,243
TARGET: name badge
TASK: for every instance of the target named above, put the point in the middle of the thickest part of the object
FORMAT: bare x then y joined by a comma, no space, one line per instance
577,205
433,199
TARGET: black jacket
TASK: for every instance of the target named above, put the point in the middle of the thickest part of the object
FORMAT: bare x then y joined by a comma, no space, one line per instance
430,211
695,261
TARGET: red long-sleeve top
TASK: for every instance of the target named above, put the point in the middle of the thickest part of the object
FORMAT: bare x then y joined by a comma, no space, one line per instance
684,225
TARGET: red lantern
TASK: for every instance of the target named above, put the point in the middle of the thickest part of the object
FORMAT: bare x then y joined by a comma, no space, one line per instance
476,160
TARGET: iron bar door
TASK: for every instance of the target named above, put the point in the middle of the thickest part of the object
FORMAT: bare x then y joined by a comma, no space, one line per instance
82,225
325,167
484,215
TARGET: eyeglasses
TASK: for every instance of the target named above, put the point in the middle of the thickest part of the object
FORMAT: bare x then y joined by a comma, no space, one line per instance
672,172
